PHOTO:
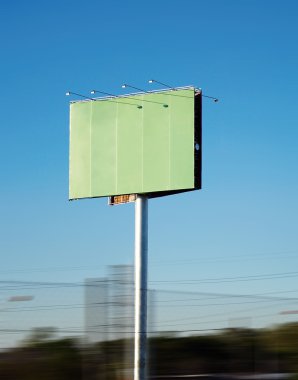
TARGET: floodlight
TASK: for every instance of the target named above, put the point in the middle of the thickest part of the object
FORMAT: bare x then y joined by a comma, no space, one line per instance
163,84
211,97
146,92
136,88
68,93
116,96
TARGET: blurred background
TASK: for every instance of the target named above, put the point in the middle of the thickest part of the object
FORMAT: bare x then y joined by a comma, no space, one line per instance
222,261
85,330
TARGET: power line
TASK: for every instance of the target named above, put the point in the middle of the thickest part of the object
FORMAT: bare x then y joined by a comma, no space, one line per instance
269,276
253,256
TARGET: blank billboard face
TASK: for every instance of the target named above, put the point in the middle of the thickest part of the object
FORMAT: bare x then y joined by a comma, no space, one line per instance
142,144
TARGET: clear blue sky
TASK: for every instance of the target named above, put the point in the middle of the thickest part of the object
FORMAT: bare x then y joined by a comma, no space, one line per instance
244,220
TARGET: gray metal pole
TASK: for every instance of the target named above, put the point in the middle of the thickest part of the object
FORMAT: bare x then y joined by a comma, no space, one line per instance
141,269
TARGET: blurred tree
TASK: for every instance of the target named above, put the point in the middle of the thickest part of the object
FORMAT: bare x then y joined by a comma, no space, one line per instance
233,351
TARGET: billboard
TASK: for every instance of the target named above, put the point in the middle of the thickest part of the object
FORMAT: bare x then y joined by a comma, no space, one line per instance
144,143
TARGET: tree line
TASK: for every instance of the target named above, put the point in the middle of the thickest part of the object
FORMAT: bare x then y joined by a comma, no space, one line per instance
230,352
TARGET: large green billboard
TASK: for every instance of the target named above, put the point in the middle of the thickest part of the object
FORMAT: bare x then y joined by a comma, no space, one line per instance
147,143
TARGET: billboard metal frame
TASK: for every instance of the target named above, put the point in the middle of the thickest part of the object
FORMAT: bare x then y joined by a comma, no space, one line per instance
177,134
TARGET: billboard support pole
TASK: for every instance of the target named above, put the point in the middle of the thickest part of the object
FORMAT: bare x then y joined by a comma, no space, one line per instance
141,270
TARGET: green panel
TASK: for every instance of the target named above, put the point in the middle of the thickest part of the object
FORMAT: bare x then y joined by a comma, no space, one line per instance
129,147
182,139
103,148
156,143
79,150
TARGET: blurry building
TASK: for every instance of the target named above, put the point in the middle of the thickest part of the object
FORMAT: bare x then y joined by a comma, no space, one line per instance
109,314
96,309
109,305
121,291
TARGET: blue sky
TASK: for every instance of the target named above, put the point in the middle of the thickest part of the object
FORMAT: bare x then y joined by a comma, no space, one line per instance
244,220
